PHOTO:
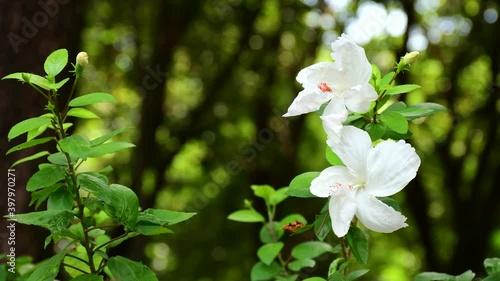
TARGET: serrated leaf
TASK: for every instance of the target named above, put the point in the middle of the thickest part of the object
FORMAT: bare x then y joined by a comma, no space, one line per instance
400,89
27,125
96,186
299,186
29,144
82,113
124,205
60,200
246,216
91,99
46,177
261,271
358,244
108,148
311,250
395,121
102,139
56,62
48,269
76,145
124,269
332,158
31,157
164,217
268,252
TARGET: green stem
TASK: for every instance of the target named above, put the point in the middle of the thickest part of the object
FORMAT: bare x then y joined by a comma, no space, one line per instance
345,252
111,241
78,258
75,268
70,97
270,214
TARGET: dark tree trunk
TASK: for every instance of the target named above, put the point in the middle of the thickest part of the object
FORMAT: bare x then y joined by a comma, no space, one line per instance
29,31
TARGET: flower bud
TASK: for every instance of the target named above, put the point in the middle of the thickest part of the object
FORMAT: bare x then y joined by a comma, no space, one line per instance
410,57
82,59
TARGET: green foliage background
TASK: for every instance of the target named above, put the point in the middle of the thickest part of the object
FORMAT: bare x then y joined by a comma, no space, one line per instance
204,84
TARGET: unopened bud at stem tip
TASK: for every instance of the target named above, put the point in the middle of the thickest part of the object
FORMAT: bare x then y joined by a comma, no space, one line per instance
82,59
410,57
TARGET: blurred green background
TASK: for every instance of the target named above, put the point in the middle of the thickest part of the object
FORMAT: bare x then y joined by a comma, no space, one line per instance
204,84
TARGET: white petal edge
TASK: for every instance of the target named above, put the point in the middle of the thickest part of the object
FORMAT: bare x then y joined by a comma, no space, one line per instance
308,100
342,210
391,166
376,215
321,186
351,60
359,99
353,149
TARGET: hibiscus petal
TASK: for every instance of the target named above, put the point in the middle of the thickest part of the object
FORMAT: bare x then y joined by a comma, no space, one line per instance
359,99
324,184
342,210
391,166
352,62
376,215
321,72
353,149
308,100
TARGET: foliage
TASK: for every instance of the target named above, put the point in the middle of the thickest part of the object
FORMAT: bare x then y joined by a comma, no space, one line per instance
82,207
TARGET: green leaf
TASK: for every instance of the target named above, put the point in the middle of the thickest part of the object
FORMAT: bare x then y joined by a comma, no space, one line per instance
376,130
124,269
278,196
164,217
96,186
121,240
124,205
315,279
56,62
311,250
400,89
75,145
322,225
292,218
246,216
48,269
42,218
60,159
102,139
261,271
148,229
46,177
60,200
297,265
391,203
492,277
36,132
108,148
263,191
31,157
29,144
27,125
376,72
396,106
299,186
395,121
434,276
42,195
265,234
82,113
492,265
268,252
356,274
466,276
88,277
387,78
420,110
91,99
332,158
27,77
287,278
358,244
